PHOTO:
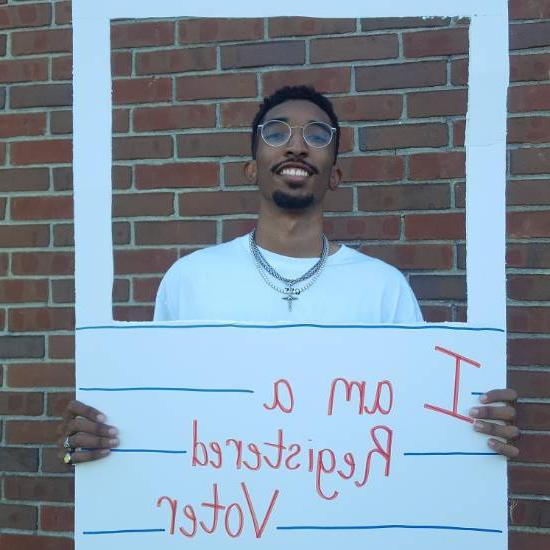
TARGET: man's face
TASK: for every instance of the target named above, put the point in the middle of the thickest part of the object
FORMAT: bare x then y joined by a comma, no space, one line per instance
272,170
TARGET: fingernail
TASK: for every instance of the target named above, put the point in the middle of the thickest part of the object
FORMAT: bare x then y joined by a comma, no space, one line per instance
483,398
478,426
101,418
113,431
113,442
492,443
474,411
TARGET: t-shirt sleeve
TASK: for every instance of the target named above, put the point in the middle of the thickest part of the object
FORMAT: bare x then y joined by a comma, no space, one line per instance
162,310
406,309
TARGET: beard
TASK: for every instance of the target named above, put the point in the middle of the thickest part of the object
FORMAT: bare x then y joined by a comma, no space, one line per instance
288,202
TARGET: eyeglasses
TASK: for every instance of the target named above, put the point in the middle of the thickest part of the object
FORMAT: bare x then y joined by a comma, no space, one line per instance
277,132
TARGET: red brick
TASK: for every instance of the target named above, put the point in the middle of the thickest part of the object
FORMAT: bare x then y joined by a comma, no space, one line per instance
528,287
42,208
61,346
263,54
404,197
533,416
529,67
24,179
21,403
528,541
435,42
57,518
121,290
234,174
448,226
459,133
41,95
63,235
340,200
42,263
534,448
145,289
529,352
214,144
143,261
235,228
63,13
533,255
327,81
403,256
121,64
174,118
529,35
528,480
34,15
429,166
133,313
239,113
139,148
51,464
192,174
216,86
142,90
16,516
529,384
368,108
52,151
440,103
142,204
31,432
218,202
34,542
175,232
27,70
401,136
51,489
17,347
530,161
122,177
402,75
142,33
529,130
528,319
23,290
57,403
437,314
42,41
439,287
362,227
528,224
175,61
19,236
308,26
208,30
63,291
328,50
36,319
62,67
529,98
529,9
61,122
376,23
378,168
18,459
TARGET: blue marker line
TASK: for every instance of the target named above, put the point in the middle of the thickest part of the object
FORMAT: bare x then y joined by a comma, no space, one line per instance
394,526
304,325
123,531
477,393
450,453
160,388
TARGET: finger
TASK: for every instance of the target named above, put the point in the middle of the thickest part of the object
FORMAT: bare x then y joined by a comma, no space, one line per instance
494,413
82,439
82,425
77,408
506,394
504,449
497,430
87,456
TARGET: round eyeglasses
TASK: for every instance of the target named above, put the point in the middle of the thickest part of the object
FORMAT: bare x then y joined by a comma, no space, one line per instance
277,132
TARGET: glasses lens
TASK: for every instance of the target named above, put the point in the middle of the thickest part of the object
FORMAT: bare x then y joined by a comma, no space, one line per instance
275,132
317,134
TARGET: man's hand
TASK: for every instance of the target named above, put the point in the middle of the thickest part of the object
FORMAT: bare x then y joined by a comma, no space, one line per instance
84,428
505,413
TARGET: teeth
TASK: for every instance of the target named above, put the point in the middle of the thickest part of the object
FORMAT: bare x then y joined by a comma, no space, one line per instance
294,172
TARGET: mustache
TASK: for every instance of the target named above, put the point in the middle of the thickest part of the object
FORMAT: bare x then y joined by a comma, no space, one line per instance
302,162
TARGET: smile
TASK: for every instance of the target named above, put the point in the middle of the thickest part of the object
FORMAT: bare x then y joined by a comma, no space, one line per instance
296,172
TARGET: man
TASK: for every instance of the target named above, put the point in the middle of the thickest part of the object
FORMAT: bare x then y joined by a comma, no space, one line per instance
286,269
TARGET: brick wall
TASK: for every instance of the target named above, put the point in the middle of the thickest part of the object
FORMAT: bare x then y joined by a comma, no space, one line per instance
185,92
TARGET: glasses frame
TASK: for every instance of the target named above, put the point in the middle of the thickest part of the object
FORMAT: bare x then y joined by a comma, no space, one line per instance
332,132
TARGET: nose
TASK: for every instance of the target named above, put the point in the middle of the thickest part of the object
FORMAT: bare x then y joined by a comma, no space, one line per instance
297,143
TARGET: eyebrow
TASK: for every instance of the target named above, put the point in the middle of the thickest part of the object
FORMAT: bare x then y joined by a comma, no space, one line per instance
286,119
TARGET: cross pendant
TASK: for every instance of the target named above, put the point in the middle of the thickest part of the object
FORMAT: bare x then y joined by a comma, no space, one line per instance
289,299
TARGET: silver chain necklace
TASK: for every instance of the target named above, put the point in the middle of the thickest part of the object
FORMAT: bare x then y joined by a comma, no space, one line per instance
291,294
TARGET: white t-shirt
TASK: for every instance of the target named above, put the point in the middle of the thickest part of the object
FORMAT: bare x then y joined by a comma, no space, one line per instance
222,283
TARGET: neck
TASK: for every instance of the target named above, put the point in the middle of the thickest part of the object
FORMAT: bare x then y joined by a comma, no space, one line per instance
295,234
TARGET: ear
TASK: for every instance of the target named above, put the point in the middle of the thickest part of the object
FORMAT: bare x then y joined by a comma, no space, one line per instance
335,178
251,171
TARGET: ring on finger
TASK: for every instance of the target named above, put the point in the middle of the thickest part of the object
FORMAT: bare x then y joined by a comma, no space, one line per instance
68,457
67,445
